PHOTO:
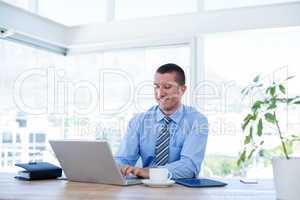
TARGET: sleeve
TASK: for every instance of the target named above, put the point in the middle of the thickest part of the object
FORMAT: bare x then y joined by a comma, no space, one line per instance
192,153
128,152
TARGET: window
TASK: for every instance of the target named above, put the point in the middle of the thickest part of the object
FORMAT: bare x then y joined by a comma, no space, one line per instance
18,154
21,119
94,97
130,9
7,137
232,60
40,138
122,92
37,138
31,138
21,123
216,4
10,163
18,138
40,148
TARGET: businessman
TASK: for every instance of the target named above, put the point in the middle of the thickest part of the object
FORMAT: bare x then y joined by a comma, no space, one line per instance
169,135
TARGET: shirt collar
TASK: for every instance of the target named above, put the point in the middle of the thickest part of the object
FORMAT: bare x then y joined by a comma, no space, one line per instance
176,116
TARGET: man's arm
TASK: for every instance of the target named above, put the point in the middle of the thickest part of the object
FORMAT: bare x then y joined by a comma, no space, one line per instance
192,153
128,152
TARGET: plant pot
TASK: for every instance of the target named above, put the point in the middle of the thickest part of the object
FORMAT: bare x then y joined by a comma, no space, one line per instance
286,178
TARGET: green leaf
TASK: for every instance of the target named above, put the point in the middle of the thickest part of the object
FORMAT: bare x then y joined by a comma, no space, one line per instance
247,139
270,118
242,158
295,138
282,88
272,106
296,97
245,124
297,102
254,116
256,79
256,105
289,100
251,153
286,100
259,127
247,119
243,90
290,77
272,90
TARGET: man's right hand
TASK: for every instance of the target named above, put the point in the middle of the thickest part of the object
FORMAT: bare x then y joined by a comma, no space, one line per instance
139,172
126,170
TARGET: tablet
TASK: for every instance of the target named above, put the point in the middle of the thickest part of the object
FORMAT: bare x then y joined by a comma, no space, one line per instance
193,182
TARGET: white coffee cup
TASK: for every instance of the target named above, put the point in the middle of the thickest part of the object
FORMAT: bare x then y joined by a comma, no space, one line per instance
159,175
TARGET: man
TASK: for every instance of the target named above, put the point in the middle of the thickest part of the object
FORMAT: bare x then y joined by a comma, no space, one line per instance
170,135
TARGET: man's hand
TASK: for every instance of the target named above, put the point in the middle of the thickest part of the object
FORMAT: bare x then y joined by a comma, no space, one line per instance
140,172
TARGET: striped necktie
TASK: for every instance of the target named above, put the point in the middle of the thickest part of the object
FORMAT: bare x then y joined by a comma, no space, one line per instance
162,144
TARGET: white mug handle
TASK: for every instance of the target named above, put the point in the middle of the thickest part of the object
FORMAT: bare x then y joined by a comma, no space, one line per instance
169,175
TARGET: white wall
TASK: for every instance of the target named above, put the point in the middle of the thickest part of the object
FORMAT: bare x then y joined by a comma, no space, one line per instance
188,25
28,24
168,29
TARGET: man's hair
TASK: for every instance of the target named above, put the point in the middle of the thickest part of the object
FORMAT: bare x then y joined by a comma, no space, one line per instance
169,68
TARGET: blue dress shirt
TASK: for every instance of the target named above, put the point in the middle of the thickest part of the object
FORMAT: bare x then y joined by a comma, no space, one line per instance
188,137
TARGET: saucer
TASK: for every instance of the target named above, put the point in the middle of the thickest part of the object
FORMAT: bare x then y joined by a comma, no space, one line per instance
150,183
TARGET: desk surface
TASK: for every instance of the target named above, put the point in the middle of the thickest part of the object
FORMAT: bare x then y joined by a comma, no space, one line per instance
11,188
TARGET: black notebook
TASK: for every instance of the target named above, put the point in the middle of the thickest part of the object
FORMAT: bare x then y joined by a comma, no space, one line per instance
38,171
193,182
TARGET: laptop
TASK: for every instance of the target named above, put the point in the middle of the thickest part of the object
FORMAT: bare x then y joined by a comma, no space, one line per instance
89,161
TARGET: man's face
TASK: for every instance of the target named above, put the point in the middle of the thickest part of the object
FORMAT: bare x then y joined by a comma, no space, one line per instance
167,91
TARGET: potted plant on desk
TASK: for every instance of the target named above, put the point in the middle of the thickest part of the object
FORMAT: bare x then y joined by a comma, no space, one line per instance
264,113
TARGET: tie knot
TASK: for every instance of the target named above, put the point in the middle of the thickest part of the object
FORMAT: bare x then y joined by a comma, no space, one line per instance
167,120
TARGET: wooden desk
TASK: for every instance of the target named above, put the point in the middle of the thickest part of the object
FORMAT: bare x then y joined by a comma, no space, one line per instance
11,188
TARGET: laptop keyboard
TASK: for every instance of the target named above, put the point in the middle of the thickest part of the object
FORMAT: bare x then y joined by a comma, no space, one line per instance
132,181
